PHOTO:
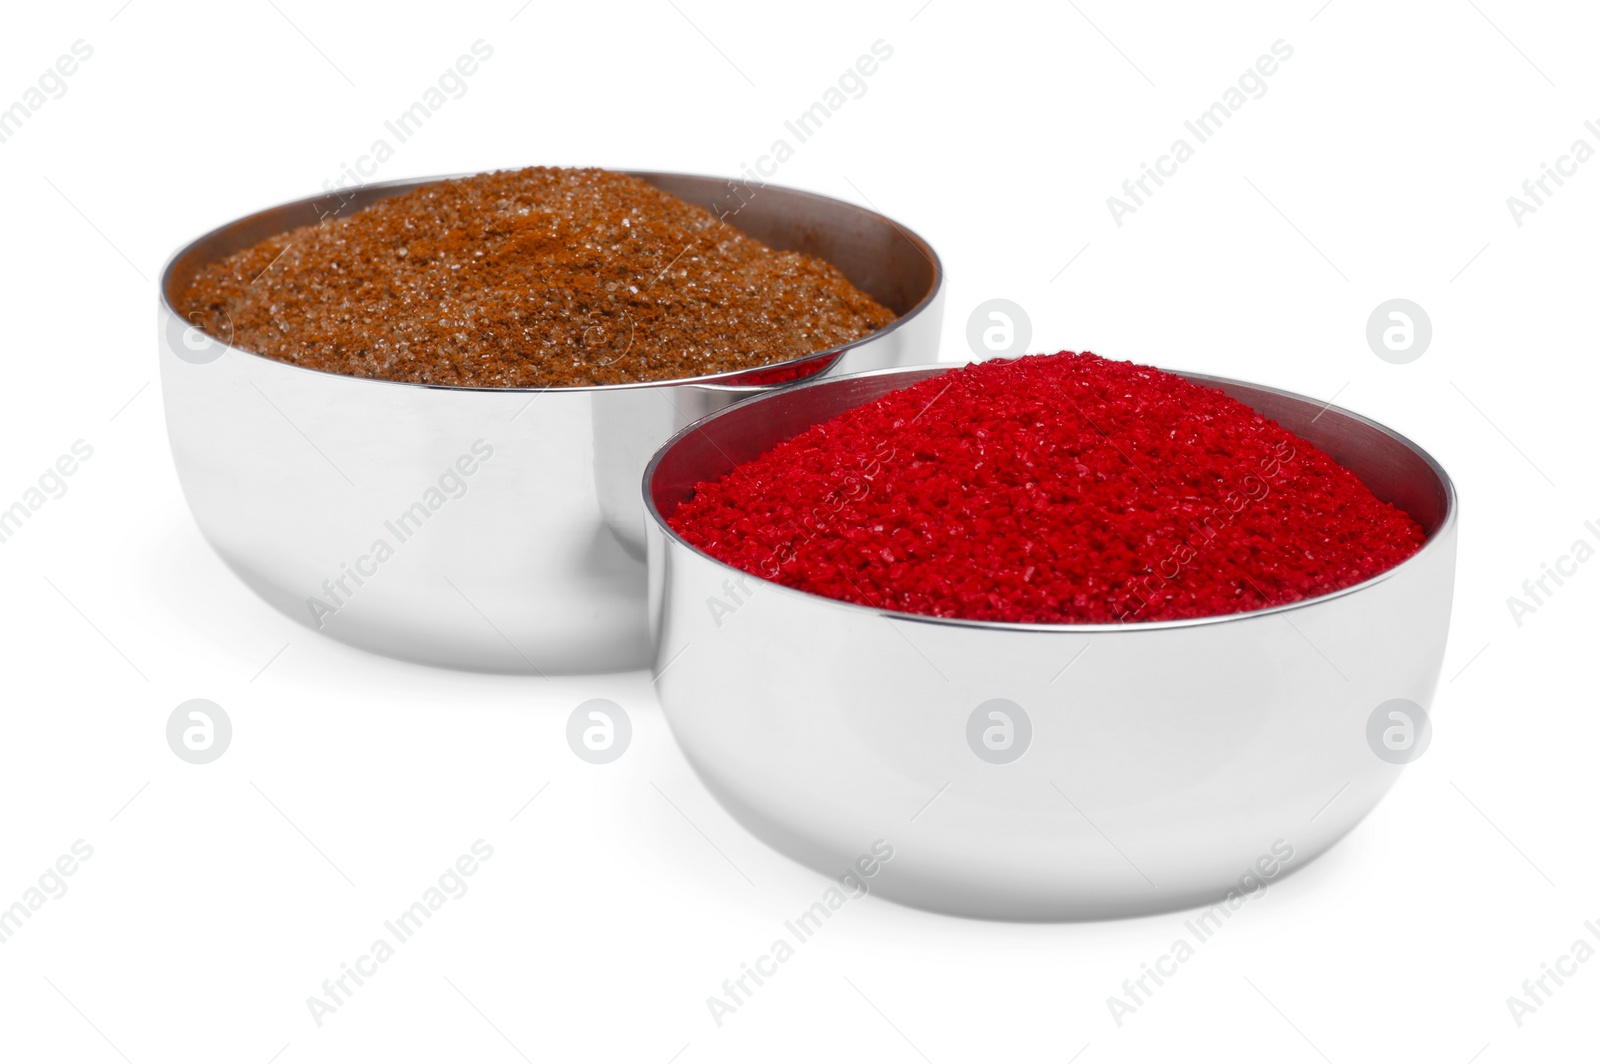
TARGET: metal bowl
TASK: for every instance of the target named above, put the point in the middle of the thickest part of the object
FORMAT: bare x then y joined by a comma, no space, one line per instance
1137,768
495,529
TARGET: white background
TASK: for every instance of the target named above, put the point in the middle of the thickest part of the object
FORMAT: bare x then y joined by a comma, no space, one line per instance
220,897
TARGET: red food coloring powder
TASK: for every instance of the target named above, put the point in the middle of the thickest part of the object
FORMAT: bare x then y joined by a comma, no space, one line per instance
1051,489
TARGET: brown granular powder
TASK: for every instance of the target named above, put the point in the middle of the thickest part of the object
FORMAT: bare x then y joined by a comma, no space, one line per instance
528,278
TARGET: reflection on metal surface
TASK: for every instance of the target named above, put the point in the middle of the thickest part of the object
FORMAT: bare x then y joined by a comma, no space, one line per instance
1151,773
493,529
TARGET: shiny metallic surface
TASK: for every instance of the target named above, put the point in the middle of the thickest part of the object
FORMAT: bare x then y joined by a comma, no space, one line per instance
488,529
1169,763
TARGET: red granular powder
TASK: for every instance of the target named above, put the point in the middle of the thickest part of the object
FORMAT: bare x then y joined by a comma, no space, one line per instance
1053,489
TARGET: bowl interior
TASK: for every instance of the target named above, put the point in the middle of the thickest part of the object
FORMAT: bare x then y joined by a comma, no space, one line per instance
882,258
1391,466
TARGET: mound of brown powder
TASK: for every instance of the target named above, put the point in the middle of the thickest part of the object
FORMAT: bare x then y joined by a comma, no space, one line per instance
528,278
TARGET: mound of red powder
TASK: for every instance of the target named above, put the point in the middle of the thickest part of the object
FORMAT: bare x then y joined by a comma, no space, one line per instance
1051,489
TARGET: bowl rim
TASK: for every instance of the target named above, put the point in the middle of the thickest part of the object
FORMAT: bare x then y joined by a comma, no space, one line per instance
1431,546
727,381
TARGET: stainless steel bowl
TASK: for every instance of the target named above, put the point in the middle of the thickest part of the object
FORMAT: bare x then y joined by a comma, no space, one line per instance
1162,764
490,529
